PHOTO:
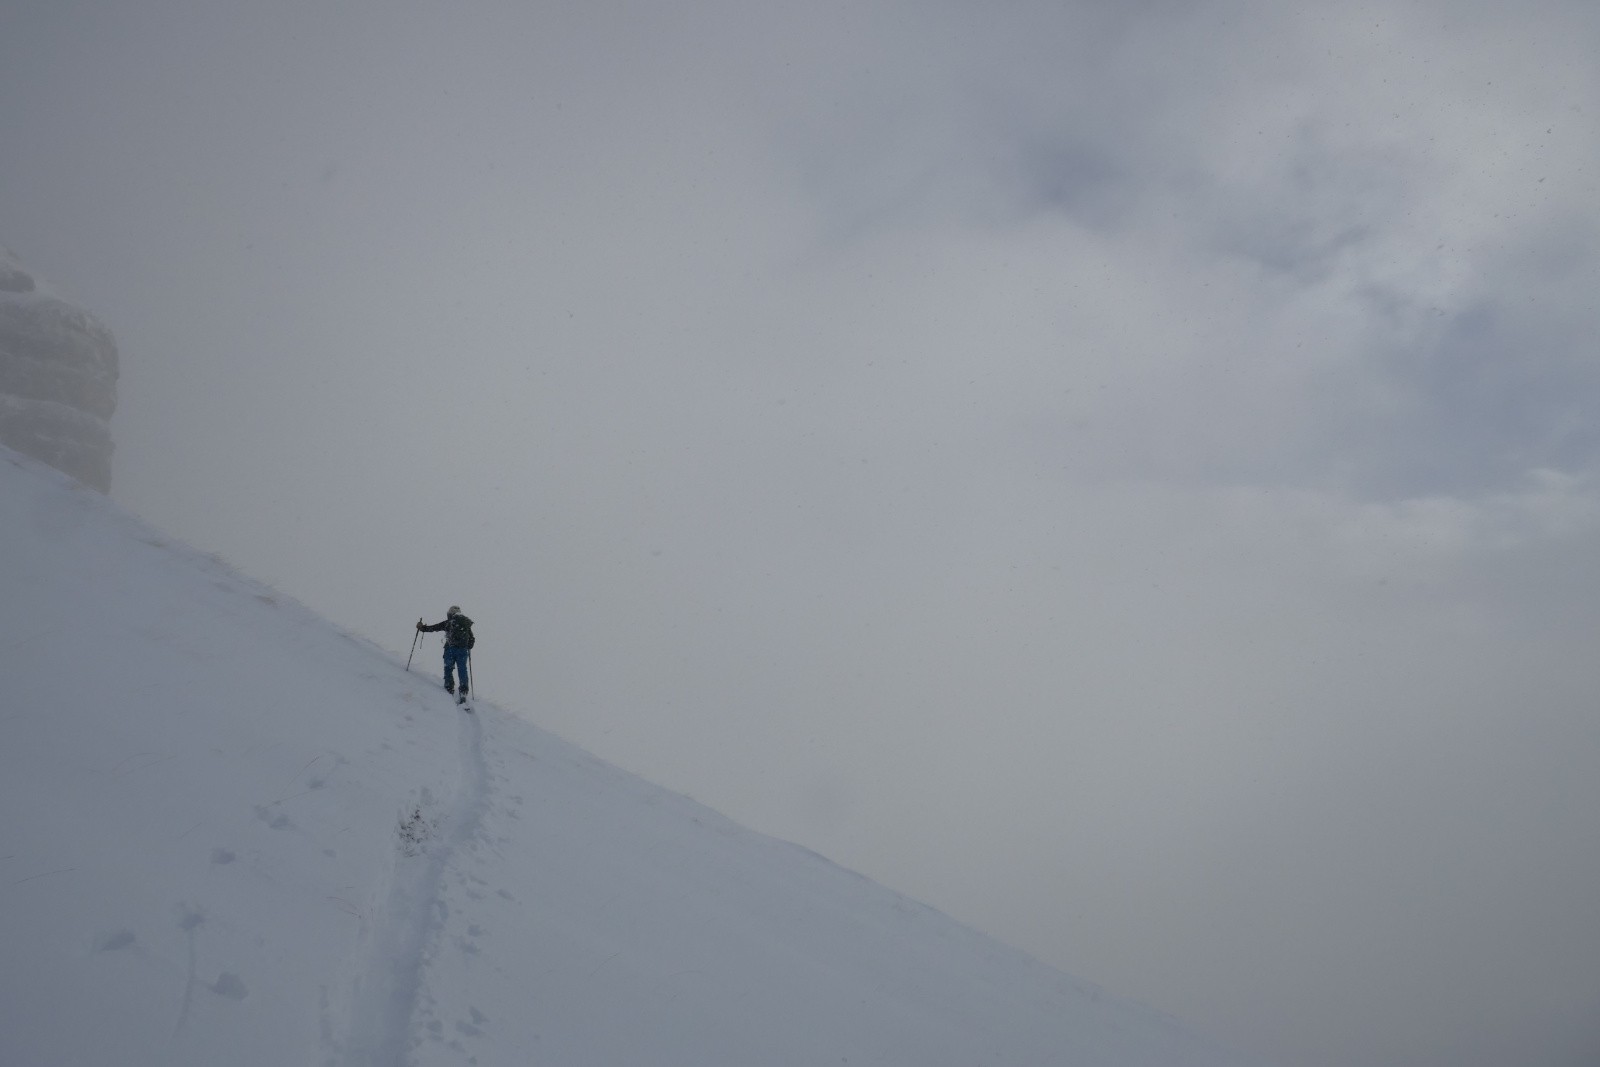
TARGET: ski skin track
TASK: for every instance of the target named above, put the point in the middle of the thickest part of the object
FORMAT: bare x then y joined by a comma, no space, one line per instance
410,918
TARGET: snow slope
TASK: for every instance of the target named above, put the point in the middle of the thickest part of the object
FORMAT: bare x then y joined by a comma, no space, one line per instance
233,834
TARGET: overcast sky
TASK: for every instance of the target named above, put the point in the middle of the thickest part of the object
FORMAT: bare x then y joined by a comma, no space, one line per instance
1123,473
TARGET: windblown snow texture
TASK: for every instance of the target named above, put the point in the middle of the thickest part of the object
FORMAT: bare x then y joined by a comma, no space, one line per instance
234,834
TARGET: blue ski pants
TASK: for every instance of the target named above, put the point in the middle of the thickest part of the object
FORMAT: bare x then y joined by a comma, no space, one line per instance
456,659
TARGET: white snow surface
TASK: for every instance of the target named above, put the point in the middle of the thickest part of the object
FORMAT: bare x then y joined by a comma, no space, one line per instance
231,833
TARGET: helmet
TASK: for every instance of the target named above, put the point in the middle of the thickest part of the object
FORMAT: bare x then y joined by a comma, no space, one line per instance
454,610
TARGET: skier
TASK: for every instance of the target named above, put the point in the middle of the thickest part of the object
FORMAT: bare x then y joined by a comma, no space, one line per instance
458,642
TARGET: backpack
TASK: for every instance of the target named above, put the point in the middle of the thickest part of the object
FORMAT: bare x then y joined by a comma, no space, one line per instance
458,631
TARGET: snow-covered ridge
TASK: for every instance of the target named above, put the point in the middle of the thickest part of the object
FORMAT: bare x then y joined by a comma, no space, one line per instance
235,834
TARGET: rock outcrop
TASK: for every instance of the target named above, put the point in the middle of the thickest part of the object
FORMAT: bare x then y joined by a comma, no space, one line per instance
58,378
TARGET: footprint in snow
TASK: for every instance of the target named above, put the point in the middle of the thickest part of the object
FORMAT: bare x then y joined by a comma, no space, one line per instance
230,986
277,822
113,941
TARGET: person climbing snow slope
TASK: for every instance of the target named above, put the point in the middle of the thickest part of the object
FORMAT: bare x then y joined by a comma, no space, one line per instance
458,642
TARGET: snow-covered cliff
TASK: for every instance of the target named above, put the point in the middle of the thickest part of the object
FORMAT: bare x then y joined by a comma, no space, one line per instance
58,378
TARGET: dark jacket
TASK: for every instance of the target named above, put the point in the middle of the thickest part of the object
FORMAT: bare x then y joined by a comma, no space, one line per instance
457,631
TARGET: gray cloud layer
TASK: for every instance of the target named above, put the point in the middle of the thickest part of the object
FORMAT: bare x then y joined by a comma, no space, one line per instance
1122,473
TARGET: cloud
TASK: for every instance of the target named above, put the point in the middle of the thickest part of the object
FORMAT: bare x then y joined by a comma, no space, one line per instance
1323,214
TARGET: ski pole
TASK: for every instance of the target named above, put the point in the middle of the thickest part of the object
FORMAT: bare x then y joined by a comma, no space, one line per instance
414,639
